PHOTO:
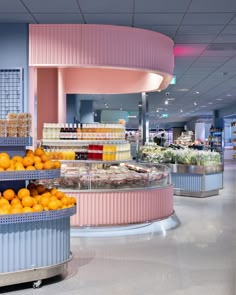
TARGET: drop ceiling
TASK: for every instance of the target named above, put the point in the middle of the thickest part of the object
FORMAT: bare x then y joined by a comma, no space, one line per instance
204,33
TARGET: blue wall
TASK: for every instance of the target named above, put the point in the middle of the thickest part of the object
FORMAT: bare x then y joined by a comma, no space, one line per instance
14,51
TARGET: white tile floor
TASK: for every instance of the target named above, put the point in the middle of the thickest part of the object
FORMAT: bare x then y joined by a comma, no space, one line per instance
197,258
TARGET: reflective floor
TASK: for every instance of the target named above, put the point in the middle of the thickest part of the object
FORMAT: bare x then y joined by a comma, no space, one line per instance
197,258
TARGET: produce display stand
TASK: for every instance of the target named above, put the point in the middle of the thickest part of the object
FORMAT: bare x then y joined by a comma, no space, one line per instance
197,181
33,246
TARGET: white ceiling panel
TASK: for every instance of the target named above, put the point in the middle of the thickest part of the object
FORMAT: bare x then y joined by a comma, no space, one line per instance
16,18
59,18
189,39
13,6
158,19
106,6
113,19
49,6
212,6
207,18
167,6
200,29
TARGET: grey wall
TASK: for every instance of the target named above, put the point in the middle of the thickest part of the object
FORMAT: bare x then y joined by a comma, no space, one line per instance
14,51
72,108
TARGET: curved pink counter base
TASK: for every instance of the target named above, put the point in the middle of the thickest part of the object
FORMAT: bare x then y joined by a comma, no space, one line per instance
122,207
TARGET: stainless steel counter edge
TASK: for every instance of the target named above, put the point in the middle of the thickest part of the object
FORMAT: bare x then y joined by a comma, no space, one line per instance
196,169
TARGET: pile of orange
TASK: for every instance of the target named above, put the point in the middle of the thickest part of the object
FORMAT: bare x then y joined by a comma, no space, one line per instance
34,198
33,160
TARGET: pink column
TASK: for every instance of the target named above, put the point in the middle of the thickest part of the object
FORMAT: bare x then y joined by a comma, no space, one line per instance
33,102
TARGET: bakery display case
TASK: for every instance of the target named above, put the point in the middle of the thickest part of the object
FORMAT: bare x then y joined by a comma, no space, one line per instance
116,193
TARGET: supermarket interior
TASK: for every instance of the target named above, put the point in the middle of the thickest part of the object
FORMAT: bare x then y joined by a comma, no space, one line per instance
118,147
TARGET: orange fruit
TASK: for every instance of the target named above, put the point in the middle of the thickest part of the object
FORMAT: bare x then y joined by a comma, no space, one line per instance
23,192
15,201
3,202
4,211
37,198
65,201
37,208
9,194
53,191
27,161
37,159
72,200
57,164
30,168
33,192
16,205
17,159
5,162
53,205
40,188
19,167
44,201
27,201
48,165
27,210
53,198
15,210
39,152
44,158
59,195
1,169
46,194
38,166
5,155
29,152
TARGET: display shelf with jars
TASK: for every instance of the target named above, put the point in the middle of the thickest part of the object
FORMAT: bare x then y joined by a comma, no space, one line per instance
116,193
233,136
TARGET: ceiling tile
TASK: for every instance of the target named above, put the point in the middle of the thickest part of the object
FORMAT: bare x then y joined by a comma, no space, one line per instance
186,39
59,18
207,18
166,30
158,19
167,6
16,18
13,6
106,6
233,22
229,30
225,39
113,19
200,29
49,6
212,6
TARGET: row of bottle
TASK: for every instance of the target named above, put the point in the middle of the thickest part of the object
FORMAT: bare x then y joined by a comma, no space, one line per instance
71,131
97,152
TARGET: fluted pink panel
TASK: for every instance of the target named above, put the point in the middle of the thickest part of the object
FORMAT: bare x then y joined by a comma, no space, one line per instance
122,207
101,46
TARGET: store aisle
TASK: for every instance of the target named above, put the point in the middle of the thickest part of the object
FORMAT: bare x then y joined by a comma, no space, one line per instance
196,258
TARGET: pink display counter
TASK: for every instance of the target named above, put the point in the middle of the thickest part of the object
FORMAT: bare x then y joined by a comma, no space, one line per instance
121,207
117,194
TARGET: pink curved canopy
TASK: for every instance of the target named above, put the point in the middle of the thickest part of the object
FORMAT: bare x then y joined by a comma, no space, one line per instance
102,58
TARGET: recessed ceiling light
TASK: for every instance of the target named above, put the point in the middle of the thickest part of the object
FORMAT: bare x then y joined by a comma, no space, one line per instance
139,104
182,89
197,92
121,109
181,111
228,94
210,102
219,99
157,111
166,102
195,103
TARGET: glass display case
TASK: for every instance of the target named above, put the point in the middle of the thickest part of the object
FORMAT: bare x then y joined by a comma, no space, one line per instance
114,193
87,175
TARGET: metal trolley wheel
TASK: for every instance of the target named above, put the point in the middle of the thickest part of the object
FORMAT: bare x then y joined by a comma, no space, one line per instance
37,284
